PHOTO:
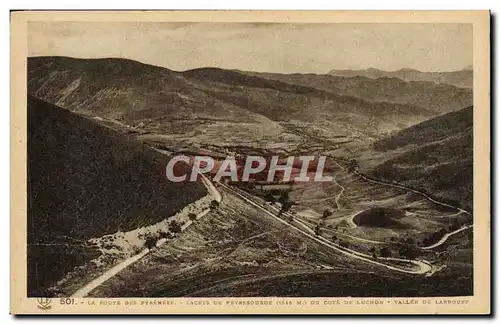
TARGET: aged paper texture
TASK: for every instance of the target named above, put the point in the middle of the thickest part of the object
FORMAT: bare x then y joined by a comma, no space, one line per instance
250,162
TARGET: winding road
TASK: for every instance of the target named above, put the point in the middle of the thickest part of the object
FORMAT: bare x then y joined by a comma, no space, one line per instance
350,219
412,190
337,197
424,267
445,237
459,210
211,188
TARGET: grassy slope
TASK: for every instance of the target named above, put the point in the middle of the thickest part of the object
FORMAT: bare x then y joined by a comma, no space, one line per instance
435,156
85,180
281,100
440,98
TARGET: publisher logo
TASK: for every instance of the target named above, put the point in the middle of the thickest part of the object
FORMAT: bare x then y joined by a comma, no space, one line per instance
44,303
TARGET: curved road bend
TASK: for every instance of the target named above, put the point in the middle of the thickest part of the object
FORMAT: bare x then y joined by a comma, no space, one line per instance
424,266
350,219
459,210
414,191
445,237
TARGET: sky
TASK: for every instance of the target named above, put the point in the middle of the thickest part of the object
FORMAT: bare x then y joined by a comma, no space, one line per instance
263,47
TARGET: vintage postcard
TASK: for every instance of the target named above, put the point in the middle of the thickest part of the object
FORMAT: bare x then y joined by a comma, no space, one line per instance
250,162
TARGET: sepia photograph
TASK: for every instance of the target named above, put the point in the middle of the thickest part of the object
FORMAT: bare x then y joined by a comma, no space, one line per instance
261,162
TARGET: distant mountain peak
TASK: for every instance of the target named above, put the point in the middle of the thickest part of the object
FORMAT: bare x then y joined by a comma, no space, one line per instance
408,70
374,70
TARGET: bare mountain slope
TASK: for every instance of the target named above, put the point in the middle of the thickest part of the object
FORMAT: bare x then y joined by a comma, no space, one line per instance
123,89
158,100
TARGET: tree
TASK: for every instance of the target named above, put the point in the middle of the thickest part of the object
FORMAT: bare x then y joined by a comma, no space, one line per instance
353,165
282,200
270,197
286,206
192,217
150,242
408,252
404,251
409,241
455,224
214,204
344,244
174,227
334,238
385,252
163,234
327,213
136,249
317,230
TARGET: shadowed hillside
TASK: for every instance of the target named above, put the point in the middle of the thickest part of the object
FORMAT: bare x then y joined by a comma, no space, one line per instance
440,98
85,180
436,129
379,217
435,156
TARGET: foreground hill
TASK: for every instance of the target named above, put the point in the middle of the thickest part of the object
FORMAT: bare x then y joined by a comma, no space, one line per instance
462,78
440,98
435,156
212,105
84,181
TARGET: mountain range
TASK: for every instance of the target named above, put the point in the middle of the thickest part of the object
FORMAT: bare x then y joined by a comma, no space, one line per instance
211,106
462,78
438,97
